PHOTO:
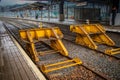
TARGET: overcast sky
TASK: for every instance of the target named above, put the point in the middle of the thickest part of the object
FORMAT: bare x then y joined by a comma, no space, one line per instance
12,2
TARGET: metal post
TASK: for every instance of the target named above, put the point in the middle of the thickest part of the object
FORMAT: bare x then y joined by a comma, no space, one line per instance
67,10
48,12
61,10
74,13
41,14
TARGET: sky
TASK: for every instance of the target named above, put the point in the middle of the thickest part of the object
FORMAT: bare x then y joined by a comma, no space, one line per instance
12,2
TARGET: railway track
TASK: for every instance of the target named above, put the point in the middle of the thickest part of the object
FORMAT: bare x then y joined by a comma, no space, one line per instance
55,75
83,65
71,38
101,48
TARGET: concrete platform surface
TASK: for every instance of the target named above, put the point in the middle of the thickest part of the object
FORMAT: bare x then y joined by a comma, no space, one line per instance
13,66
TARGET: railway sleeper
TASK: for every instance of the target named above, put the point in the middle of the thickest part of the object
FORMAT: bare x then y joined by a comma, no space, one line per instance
54,35
90,34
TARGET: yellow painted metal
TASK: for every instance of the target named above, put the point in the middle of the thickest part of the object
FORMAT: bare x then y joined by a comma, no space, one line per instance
54,35
88,34
38,33
60,65
31,47
47,52
58,45
112,51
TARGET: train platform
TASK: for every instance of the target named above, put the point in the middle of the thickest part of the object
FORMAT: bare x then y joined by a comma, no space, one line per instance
14,63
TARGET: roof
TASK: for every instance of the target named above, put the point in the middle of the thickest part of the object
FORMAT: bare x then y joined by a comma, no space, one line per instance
39,5
36,5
